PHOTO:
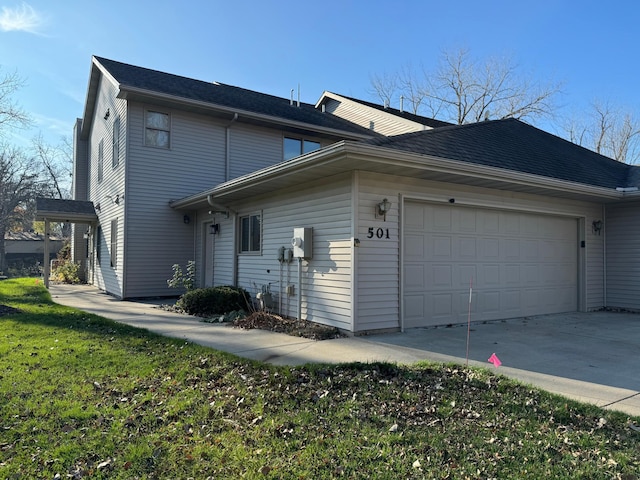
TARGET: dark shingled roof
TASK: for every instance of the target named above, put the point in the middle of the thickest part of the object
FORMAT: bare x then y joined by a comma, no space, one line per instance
61,207
514,145
226,96
429,122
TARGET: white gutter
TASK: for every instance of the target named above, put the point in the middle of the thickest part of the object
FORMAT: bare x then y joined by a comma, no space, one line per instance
125,91
347,150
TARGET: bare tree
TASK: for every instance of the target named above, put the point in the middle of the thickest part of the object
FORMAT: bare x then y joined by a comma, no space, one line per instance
20,184
464,90
11,115
399,90
57,162
607,130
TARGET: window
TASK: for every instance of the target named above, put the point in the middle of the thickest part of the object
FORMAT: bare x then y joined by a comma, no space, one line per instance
250,234
99,244
157,129
100,160
115,159
114,242
296,146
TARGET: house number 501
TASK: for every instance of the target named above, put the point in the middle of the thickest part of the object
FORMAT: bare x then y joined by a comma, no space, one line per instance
378,232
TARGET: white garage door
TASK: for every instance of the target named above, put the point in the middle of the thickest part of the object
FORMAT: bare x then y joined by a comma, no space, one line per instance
520,264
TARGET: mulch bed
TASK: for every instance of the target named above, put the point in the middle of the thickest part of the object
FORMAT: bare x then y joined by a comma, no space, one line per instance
7,310
290,326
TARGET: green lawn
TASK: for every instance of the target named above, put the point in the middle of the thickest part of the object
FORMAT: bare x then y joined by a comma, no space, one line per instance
84,397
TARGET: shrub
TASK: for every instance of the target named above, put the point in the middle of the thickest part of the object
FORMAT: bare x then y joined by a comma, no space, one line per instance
213,300
66,272
181,279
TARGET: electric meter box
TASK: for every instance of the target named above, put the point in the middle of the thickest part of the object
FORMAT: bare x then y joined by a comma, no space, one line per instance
302,242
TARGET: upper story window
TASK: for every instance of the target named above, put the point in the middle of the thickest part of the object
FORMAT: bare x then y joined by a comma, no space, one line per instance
100,160
250,230
157,129
294,147
115,159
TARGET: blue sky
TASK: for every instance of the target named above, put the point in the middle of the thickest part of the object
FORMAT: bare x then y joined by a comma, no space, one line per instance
336,45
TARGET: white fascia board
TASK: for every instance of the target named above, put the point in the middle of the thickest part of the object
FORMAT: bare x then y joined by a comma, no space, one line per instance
346,150
126,91
92,93
303,162
445,165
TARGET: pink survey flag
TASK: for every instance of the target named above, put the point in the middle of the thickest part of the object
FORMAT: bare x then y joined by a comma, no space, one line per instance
495,360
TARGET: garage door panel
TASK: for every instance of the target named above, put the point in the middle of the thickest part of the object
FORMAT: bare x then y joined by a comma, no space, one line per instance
466,248
441,220
464,276
414,277
519,263
489,275
414,247
442,248
442,276
490,248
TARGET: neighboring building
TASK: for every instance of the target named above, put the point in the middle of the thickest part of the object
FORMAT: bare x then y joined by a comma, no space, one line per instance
24,249
404,213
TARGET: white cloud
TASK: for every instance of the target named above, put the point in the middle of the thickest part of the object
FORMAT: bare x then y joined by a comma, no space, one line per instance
21,18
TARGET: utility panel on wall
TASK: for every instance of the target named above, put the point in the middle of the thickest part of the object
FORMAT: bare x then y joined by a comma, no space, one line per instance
302,242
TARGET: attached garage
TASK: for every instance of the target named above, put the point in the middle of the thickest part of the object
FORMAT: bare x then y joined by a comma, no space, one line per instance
519,263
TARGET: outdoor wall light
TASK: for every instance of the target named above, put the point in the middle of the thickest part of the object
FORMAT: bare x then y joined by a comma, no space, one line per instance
186,219
115,199
596,226
214,228
97,207
107,113
382,208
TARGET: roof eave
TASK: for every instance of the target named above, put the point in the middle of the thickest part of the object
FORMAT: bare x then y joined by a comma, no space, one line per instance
128,92
92,92
375,156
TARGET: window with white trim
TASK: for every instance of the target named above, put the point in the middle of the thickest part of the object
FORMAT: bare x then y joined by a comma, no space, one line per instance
114,242
250,233
294,147
115,143
100,160
157,132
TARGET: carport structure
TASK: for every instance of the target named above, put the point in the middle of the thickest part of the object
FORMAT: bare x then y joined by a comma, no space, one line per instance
62,211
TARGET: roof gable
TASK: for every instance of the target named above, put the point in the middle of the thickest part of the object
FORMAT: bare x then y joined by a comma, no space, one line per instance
426,121
517,146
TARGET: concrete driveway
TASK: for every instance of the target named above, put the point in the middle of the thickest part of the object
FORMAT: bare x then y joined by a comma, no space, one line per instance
593,357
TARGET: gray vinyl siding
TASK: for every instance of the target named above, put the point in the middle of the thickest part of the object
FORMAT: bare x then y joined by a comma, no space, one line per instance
379,262
378,259
622,231
156,235
104,192
79,191
252,149
326,278
371,118
595,260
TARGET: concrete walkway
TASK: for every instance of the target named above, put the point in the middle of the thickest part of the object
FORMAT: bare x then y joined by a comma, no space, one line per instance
591,357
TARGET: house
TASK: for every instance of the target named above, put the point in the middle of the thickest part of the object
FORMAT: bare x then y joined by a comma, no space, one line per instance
345,212
27,248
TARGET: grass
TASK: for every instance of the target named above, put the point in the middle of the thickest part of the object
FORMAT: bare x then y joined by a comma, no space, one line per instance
84,397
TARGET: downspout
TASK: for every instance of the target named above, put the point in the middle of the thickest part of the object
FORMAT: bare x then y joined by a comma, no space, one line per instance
604,254
227,154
